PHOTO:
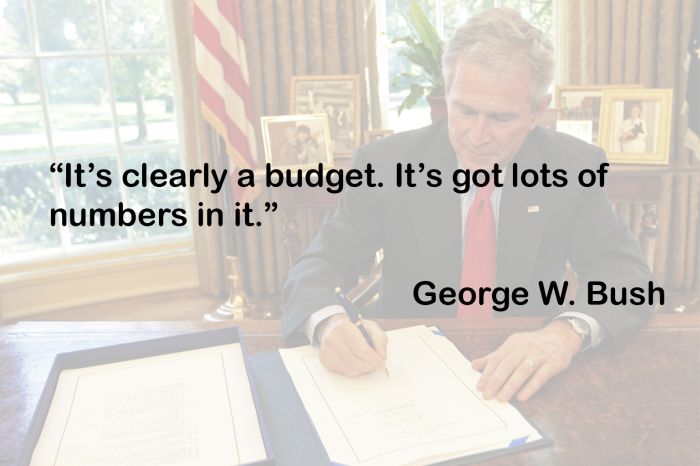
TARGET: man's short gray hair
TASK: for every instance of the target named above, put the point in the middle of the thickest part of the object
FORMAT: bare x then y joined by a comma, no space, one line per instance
493,39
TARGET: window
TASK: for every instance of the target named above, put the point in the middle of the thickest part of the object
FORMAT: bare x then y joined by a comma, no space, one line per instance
446,16
82,80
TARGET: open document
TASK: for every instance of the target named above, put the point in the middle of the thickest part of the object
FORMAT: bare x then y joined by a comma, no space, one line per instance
192,408
427,410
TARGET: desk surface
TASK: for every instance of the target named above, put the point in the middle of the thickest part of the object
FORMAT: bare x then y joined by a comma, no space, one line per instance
636,405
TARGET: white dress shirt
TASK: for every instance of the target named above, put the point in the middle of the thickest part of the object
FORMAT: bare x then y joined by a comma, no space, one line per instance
597,332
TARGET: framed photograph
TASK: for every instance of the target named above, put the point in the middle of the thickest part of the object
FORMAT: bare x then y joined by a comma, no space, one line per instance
580,129
584,102
635,125
372,135
336,96
297,141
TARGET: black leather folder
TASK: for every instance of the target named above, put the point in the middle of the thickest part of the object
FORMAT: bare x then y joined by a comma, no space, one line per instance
130,351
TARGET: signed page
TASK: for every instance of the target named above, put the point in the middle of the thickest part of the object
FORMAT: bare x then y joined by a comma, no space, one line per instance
426,410
192,408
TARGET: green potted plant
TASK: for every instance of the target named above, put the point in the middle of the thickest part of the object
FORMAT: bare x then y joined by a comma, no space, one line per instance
423,48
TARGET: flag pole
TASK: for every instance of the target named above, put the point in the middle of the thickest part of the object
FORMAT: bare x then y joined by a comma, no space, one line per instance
238,305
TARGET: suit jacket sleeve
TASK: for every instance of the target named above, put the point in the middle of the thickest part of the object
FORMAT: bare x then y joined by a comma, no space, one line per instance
343,249
602,248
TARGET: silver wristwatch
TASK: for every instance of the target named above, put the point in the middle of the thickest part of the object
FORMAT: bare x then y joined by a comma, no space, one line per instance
581,327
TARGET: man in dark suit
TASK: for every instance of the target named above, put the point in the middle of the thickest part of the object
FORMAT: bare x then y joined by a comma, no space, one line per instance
497,70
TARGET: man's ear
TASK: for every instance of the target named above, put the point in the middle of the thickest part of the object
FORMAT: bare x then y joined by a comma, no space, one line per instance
539,111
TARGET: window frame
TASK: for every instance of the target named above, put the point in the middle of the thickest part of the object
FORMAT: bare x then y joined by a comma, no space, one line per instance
384,45
62,277
67,252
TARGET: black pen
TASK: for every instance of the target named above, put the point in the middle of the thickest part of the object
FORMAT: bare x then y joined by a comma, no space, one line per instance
356,318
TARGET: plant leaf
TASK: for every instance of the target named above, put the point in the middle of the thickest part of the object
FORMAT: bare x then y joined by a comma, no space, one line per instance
419,56
417,91
408,40
425,30
395,79
424,48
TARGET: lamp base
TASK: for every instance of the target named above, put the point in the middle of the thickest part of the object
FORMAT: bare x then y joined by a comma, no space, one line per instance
226,312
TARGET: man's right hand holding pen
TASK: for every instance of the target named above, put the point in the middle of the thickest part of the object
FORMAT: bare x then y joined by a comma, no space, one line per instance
344,349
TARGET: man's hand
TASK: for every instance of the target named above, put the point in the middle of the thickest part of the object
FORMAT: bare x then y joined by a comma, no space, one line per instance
526,361
344,349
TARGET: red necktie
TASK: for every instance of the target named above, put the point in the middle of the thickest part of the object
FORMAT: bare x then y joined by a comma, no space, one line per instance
479,261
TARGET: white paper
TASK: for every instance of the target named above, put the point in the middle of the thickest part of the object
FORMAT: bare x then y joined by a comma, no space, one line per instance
427,409
192,408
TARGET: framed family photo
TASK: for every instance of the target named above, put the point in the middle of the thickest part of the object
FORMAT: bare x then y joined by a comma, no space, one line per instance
338,97
636,125
580,129
576,103
297,141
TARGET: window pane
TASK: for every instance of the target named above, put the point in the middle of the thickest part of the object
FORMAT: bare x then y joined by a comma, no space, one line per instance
68,24
457,12
14,33
135,24
415,117
396,24
22,134
538,13
92,196
399,86
402,72
26,197
78,104
156,198
144,92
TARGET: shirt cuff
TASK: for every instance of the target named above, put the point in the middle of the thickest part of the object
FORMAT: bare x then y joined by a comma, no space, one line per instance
317,317
598,334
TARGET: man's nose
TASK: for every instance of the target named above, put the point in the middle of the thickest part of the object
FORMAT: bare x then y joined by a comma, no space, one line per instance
479,131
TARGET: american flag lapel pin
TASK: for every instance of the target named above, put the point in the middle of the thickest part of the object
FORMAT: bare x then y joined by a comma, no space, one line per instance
533,209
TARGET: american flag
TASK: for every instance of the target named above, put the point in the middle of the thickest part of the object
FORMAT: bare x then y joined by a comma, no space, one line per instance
222,71
692,101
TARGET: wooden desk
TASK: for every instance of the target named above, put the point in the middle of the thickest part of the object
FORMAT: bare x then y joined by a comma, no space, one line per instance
637,405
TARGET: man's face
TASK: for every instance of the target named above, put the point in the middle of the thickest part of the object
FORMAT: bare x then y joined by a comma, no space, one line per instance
302,136
490,114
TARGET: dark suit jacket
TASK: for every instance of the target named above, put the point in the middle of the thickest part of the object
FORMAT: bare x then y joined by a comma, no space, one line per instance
420,231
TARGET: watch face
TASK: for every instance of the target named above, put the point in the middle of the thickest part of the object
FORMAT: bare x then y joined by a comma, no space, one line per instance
581,327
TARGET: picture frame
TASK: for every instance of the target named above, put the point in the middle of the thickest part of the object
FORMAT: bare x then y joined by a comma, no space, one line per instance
297,141
372,135
580,129
583,102
636,125
339,97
